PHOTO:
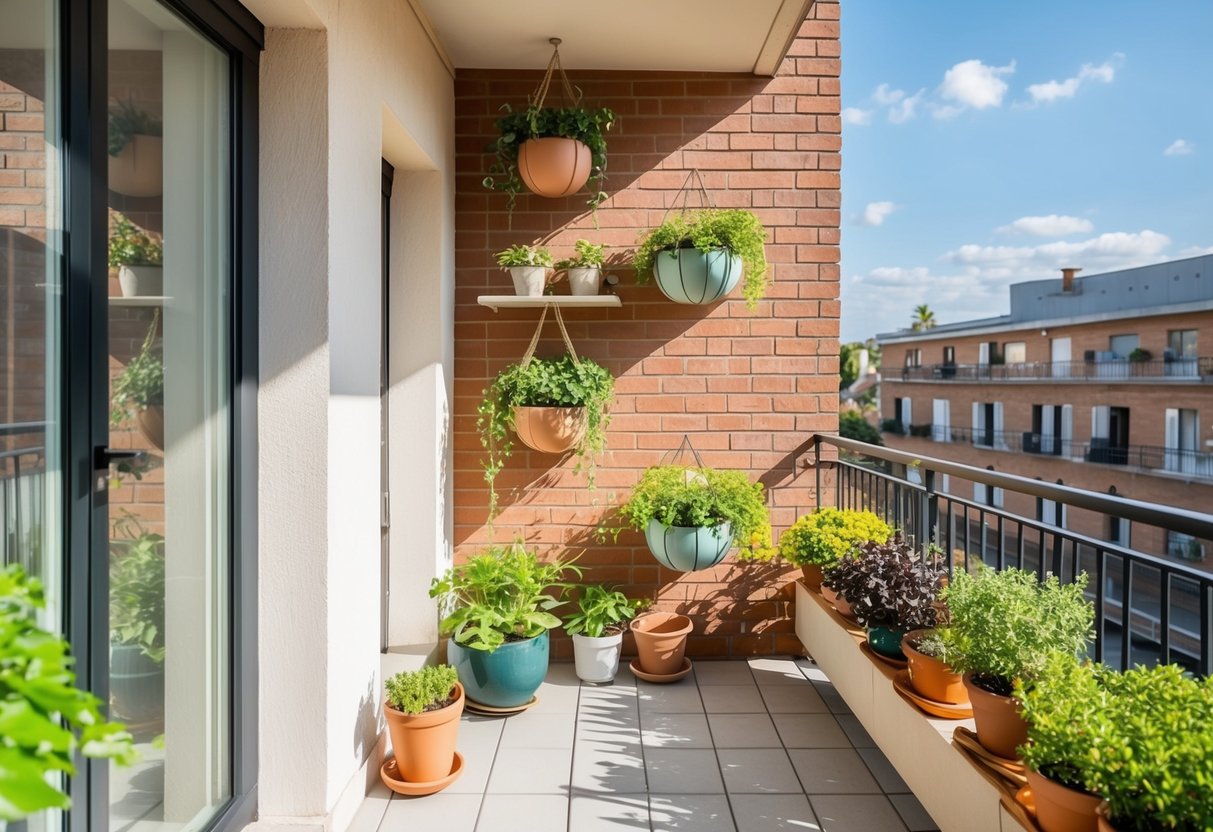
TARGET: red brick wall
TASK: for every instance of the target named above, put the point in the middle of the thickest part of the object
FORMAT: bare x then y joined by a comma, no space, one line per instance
748,387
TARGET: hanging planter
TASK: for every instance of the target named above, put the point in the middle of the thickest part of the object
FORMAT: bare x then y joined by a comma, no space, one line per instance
552,405
551,151
698,256
138,391
136,152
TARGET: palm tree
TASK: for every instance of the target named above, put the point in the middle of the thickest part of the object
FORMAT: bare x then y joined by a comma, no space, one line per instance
924,318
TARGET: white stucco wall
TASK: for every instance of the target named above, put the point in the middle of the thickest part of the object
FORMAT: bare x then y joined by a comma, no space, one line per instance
362,81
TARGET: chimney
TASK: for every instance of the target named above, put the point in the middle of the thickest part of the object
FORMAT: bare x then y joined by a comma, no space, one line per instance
1067,278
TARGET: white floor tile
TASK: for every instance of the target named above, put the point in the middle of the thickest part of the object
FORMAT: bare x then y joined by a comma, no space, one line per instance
773,813
743,731
531,771
733,699
758,771
609,813
524,813
691,813
856,813
682,771
534,730
660,730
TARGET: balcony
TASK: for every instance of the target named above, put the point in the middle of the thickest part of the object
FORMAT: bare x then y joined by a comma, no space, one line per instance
1158,370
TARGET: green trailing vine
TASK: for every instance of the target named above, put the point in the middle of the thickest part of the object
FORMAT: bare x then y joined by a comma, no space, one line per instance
141,383
705,229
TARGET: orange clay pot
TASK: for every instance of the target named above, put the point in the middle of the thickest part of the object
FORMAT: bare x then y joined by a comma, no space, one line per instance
661,641
1101,815
930,677
812,576
424,744
554,166
1060,808
550,430
1000,727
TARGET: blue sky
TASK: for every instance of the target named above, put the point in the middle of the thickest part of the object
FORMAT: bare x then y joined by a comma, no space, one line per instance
987,143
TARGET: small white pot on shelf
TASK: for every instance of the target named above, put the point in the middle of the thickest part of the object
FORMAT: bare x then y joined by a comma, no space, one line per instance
585,281
529,281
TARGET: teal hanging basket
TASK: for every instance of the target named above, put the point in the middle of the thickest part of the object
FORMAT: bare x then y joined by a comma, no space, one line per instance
688,549
688,275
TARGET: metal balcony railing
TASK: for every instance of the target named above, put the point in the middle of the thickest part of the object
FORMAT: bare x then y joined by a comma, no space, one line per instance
1148,608
1121,369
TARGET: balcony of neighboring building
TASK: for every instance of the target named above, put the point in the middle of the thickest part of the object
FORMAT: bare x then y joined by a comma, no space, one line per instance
1099,367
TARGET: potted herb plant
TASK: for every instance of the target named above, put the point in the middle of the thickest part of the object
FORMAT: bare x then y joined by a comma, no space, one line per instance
136,152
136,567
138,257
930,658
138,391
891,590
500,611
1003,627
820,539
528,266
46,717
553,405
422,711
584,268
552,151
692,517
699,256
597,630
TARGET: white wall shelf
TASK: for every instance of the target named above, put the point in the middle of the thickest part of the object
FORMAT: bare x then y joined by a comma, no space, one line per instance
143,300
496,302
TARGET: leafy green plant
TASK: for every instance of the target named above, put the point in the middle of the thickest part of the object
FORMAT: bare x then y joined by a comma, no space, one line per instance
44,717
586,255
130,245
824,536
550,382
1005,624
675,495
936,646
503,594
888,585
518,126
735,229
524,256
1138,354
600,612
126,121
417,691
137,588
853,425
140,385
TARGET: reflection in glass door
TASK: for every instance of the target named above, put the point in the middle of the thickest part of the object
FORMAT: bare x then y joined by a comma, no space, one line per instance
168,281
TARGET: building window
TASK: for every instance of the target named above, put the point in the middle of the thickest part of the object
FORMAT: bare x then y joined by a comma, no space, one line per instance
986,495
941,420
1047,511
1015,352
1182,343
1180,545
949,355
987,353
913,358
987,424
1121,346
1052,430
1180,440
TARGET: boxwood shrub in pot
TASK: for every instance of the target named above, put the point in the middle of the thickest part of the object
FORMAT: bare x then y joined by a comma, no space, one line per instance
498,611
422,710
820,539
1004,625
699,256
597,628
692,516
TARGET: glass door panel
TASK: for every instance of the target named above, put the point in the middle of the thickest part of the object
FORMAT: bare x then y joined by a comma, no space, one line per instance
169,355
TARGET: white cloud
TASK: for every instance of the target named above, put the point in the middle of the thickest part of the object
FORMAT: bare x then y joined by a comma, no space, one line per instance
856,116
1050,91
1179,147
974,84
876,212
1113,250
905,109
886,96
1195,251
1052,225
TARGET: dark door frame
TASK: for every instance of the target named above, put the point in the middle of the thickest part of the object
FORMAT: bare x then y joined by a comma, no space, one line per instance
385,506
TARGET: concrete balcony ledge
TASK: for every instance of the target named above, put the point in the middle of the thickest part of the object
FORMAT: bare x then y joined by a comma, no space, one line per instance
959,798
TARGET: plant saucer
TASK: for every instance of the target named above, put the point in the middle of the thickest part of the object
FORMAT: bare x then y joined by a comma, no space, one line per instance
390,775
493,710
943,710
658,678
900,664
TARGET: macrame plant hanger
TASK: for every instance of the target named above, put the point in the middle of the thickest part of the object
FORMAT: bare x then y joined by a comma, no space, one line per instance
564,333
683,455
541,92
692,184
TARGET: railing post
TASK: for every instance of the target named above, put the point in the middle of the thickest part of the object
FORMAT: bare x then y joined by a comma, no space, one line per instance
930,509
817,466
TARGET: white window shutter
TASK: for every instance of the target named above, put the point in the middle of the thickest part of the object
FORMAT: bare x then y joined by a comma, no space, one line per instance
979,416
907,417
983,353
979,493
940,429
1101,416
1171,440
1046,429
1067,428
999,441
998,492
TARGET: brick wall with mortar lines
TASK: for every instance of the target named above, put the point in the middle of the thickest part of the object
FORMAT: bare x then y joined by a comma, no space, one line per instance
747,387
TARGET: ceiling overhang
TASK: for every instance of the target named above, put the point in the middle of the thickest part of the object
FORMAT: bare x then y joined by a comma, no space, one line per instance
634,35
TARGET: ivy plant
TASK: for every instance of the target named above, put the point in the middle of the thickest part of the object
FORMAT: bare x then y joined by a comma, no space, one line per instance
137,588
518,126
503,594
888,585
675,495
735,229
601,611
140,385
828,533
550,382
418,691
130,245
1005,624
586,255
44,717
524,256
126,121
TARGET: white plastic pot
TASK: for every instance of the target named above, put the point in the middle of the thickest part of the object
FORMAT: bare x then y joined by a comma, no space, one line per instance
141,281
529,281
597,659
585,280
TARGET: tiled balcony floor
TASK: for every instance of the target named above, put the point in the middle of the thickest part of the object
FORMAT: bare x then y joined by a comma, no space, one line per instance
736,746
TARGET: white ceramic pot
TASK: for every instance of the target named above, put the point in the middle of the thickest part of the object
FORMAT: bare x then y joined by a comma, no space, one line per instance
597,659
529,281
585,281
141,281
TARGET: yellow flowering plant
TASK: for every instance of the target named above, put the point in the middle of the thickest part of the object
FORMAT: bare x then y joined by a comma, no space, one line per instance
826,535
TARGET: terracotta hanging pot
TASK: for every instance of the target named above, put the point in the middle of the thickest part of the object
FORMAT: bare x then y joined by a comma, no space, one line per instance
424,744
138,169
812,576
1000,727
554,166
661,641
931,678
1062,809
550,430
151,422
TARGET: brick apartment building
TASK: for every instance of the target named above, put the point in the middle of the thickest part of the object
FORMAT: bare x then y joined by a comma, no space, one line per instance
1100,382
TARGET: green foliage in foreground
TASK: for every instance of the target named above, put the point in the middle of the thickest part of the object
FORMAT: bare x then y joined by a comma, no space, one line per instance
853,425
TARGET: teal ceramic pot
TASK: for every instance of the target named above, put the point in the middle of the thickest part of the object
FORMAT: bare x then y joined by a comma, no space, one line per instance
687,275
136,684
886,641
507,677
688,549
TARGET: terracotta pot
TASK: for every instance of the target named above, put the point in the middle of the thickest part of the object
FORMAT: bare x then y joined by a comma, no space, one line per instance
1060,808
828,593
550,430
151,422
424,744
554,166
661,641
1000,727
844,607
1101,816
138,169
932,678
812,576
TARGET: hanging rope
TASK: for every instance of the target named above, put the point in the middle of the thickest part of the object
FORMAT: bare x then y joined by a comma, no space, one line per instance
564,333
554,66
682,198
678,456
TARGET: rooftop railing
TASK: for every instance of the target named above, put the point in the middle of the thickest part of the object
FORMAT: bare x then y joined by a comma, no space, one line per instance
1108,370
1148,608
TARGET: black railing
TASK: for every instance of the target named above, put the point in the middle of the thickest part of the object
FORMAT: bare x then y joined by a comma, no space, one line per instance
1168,603
21,508
1122,369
